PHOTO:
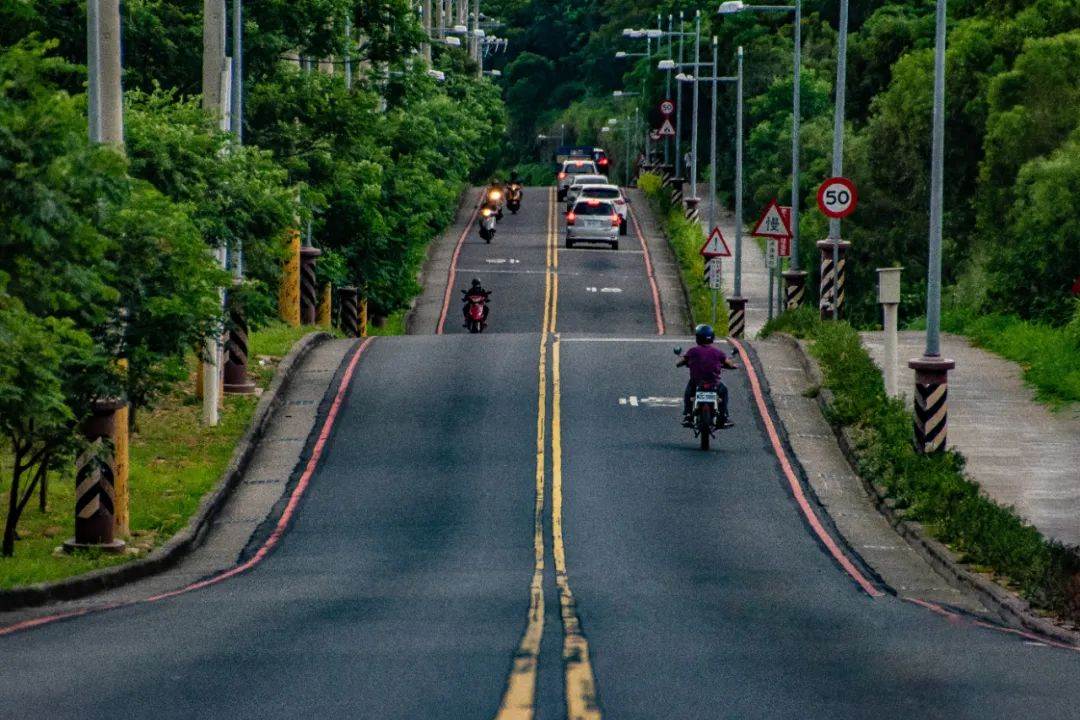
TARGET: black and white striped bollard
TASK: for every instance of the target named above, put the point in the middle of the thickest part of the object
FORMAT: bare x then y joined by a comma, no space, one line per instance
736,317
794,289
825,298
931,402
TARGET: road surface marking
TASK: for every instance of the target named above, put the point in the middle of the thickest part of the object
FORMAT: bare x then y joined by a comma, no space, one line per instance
451,276
660,329
611,290
519,698
633,401
580,683
796,487
268,545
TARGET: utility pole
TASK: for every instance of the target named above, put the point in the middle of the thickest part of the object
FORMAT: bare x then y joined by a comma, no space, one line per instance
694,140
834,246
347,52
93,67
737,303
426,19
213,74
678,108
667,87
236,111
110,90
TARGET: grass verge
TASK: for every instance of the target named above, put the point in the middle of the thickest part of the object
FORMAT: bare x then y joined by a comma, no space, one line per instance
1049,355
932,489
175,460
686,239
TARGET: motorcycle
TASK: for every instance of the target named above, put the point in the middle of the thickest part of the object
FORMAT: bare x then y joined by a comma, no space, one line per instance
513,198
476,312
488,219
496,199
706,411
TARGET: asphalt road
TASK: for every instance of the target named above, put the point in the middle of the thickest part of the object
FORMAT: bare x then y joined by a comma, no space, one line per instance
420,577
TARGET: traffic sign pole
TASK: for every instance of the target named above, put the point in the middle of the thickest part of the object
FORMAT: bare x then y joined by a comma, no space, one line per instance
836,198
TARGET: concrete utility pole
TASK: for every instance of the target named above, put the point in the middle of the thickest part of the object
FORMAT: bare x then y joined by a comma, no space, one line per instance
931,370
737,303
110,90
213,55
694,140
236,112
347,53
426,19
93,67
678,110
667,88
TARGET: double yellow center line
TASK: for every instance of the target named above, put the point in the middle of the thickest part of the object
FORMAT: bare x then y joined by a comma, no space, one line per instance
519,699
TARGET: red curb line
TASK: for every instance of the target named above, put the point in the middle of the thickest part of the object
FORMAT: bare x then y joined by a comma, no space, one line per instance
796,488
649,271
452,273
267,546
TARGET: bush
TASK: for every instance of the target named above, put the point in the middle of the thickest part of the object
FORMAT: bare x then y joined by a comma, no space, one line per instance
686,239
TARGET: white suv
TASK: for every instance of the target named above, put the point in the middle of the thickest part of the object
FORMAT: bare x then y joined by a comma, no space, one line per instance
570,170
615,195
593,221
574,190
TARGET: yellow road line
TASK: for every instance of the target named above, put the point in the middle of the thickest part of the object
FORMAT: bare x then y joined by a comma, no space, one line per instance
581,701
519,698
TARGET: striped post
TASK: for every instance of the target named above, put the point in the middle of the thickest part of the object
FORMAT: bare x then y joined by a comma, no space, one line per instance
309,291
676,191
349,316
95,475
237,381
794,289
326,305
691,211
736,317
931,402
289,292
828,274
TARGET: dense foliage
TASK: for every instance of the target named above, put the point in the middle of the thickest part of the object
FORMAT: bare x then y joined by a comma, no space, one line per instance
106,252
1013,127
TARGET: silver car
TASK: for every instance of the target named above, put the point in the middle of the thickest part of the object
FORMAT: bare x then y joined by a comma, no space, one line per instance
593,221
612,193
580,181
570,170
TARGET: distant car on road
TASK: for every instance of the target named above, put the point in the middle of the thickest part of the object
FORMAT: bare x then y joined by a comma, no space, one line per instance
569,171
579,181
588,152
593,221
609,192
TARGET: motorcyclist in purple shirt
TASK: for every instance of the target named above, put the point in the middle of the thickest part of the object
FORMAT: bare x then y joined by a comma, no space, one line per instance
706,361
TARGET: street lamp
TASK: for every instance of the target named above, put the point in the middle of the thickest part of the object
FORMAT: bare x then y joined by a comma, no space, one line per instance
796,279
932,370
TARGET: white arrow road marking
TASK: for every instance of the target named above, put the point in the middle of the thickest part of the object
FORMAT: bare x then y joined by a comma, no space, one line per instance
651,401
633,400
611,290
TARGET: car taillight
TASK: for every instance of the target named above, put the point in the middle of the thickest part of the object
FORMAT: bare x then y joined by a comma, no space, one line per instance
603,162
616,220
562,176
570,218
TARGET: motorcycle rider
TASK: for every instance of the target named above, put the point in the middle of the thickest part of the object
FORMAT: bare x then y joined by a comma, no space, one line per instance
705,361
476,290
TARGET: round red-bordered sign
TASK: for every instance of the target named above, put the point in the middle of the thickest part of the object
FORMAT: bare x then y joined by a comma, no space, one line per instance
667,108
837,197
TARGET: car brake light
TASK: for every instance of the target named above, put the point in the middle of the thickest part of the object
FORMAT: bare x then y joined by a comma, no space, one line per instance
578,164
562,176
616,220
603,161
570,218
593,203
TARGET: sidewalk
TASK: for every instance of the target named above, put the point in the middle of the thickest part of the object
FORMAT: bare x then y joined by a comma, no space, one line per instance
1019,452
840,490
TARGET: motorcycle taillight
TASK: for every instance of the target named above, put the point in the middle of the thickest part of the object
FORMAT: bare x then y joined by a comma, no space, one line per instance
615,220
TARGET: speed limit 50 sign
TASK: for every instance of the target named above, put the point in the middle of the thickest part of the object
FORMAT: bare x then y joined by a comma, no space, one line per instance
837,197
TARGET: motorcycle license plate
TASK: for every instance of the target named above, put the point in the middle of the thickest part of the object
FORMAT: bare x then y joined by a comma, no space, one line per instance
706,397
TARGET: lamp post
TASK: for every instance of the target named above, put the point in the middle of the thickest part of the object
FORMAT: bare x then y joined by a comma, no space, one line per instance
694,140
795,279
737,303
834,246
931,370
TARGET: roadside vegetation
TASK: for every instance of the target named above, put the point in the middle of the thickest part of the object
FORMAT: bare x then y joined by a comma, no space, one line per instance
1012,179
105,254
932,489
686,239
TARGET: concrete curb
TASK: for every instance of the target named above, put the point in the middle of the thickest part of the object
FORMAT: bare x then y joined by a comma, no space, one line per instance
1010,607
194,534
662,227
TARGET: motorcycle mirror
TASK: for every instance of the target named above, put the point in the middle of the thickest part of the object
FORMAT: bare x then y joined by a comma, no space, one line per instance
678,351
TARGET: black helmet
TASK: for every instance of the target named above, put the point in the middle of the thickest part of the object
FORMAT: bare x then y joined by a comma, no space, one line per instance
704,334
475,283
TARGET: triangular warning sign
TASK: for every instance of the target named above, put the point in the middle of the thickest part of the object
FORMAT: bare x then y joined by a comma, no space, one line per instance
667,129
716,245
772,224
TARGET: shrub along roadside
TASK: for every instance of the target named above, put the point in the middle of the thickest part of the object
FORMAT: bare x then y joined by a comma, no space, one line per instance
686,239
175,460
931,489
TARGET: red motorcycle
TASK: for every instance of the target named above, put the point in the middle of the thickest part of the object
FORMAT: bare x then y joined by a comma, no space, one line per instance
476,312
